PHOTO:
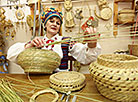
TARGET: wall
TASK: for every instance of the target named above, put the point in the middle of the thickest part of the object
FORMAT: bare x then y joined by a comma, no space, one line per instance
109,45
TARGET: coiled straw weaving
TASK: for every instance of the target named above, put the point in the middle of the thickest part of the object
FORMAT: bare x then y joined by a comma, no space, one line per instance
67,81
37,61
116,76
133,49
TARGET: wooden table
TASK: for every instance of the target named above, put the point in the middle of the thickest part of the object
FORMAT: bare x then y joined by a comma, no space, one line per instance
88,91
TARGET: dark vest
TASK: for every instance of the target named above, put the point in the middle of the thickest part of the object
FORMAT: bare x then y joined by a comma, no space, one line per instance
64,60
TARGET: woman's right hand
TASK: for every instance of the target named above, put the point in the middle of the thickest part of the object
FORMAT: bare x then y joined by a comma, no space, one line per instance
36,42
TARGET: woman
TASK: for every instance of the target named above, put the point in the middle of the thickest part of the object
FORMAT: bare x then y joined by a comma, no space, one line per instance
52,20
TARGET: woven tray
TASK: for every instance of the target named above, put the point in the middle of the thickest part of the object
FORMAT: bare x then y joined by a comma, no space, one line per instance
134,49
67,81
116,76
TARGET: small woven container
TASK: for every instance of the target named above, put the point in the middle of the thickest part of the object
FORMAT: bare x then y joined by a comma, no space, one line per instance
116,76
126,15
67,81
38,61
134,49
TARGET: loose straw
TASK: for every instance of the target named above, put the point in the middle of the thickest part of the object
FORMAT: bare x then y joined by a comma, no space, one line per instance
26,82
81,38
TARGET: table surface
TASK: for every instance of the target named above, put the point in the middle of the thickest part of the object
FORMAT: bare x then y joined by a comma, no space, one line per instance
89,91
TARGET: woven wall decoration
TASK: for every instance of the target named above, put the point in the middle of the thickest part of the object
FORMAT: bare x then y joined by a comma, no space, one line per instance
19,14
69,18
105,10
67,81
126,15
116,76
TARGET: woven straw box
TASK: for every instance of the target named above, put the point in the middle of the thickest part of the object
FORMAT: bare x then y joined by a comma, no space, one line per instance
134,49
126,15
116,76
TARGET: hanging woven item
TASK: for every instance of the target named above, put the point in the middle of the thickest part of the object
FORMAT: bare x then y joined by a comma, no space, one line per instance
105,10
38,61
67,81
69,19
30,21
126,15
19,14
116,76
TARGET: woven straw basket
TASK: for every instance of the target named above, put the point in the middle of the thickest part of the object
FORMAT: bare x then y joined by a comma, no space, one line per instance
126,15
116,76
67,81
38,61
134,49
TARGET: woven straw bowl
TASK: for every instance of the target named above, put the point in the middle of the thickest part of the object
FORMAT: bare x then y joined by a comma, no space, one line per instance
67,81
116,76
38,61
134,49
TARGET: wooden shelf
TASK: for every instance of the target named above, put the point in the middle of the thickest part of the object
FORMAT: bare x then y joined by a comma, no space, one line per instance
129,23
123,1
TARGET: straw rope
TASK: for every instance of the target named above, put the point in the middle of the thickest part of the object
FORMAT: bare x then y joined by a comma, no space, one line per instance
32,99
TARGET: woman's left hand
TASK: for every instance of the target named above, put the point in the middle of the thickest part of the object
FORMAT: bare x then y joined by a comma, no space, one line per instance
91,43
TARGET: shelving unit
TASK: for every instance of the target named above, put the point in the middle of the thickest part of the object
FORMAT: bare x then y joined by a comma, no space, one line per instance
116,23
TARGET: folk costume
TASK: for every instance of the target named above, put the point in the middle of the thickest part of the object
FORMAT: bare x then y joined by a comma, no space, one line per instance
81,52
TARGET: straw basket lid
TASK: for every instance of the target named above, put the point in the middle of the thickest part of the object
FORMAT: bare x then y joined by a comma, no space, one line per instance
116,76
106,13
67,81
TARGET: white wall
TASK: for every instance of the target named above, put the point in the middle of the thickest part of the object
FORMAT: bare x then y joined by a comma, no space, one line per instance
109,45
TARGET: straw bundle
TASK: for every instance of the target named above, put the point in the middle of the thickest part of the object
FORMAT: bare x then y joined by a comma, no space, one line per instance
134,49
37,61
116,76
67,81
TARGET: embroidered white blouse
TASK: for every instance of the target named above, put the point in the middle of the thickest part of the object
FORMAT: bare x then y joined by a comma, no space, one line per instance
81,52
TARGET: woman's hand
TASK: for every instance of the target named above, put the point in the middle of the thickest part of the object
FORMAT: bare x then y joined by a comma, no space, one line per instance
91,43
36,42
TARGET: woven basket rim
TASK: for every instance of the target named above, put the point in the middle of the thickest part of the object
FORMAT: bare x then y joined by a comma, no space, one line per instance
103,57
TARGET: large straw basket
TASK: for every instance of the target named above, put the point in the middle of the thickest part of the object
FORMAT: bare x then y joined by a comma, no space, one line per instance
38,61
134,49
67,81
116,76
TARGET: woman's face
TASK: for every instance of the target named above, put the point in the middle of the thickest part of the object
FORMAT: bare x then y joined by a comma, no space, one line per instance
53,25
